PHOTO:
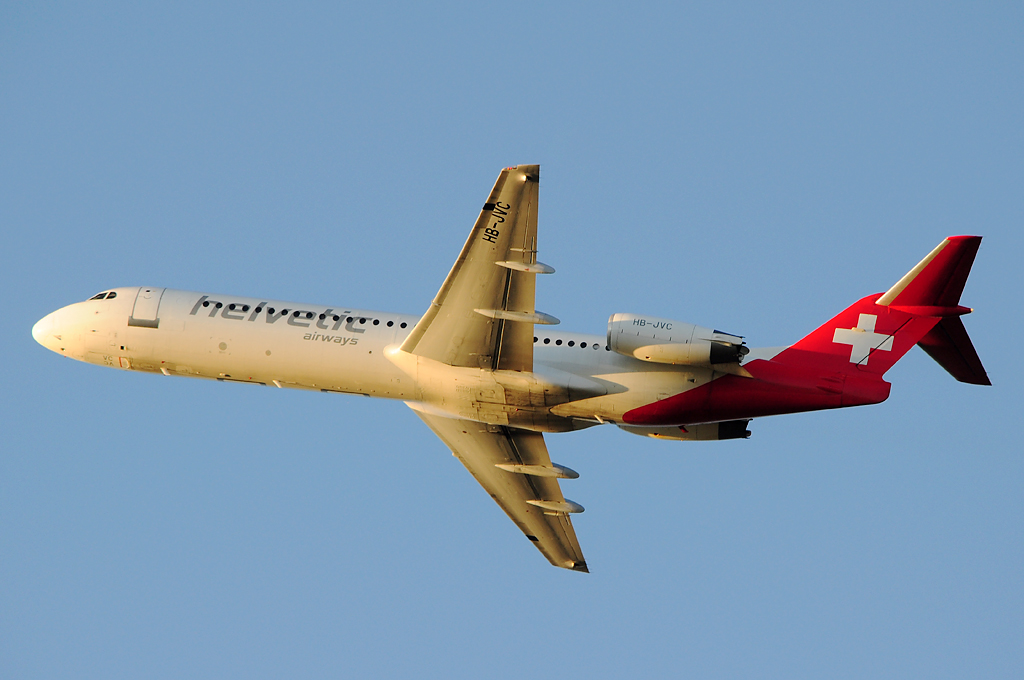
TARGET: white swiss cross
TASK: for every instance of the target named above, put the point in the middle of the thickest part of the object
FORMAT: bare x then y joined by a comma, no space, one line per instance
863,339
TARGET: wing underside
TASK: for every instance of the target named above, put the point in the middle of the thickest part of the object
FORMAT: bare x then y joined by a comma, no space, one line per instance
482,448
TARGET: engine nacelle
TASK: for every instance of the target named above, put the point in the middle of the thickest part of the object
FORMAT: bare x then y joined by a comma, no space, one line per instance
664,341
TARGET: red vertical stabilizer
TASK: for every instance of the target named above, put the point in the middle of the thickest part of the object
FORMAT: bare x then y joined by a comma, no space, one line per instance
922,308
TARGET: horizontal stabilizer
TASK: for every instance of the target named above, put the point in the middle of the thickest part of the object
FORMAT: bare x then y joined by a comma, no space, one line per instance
949,344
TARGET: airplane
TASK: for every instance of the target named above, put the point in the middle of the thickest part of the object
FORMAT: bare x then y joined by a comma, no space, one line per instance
486,372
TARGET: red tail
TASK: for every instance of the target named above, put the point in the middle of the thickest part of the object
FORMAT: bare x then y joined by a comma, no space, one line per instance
842,362
872,334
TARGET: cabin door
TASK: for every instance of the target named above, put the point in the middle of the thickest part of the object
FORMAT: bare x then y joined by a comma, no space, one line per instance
146,312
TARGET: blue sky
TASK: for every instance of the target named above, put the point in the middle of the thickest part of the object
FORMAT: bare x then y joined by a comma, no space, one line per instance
752,168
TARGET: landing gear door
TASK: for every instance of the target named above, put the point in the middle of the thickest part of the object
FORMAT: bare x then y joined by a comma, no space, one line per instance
146,313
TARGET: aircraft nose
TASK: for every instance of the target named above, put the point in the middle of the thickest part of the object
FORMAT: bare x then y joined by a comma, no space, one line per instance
47,331
42,329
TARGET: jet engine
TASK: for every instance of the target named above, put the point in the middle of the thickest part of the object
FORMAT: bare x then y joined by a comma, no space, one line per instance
664,341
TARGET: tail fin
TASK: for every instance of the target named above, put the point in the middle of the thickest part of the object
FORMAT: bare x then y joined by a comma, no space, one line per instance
937,280
923,308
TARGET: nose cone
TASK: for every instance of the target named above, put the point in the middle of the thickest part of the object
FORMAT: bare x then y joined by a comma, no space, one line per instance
44,330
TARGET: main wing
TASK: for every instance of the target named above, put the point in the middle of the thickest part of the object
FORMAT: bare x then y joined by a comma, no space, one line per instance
483,318
514,468
483,315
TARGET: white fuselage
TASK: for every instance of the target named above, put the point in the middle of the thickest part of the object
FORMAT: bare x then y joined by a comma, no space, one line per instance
577,381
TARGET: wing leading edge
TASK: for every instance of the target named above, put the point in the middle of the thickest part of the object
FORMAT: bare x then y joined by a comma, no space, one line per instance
535,503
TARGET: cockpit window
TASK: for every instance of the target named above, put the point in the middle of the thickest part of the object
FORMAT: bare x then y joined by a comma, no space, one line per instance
105,295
